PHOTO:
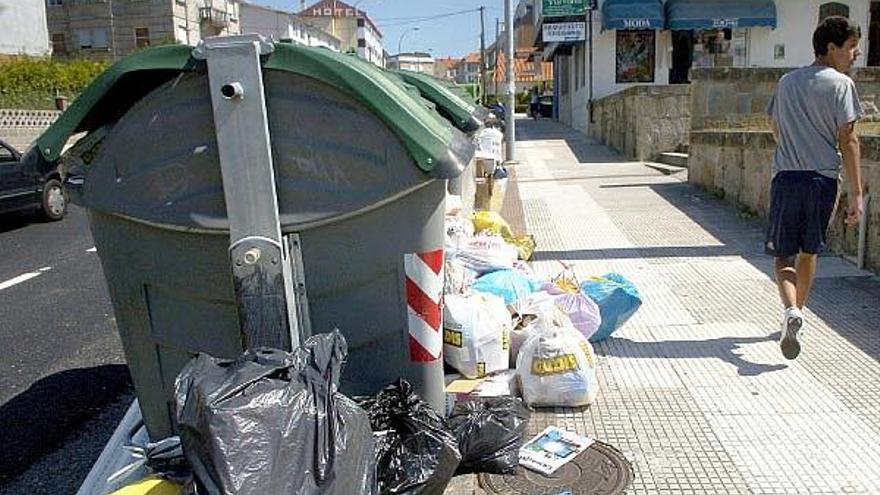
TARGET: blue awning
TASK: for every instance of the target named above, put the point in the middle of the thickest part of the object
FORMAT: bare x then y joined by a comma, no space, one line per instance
706,14
632,14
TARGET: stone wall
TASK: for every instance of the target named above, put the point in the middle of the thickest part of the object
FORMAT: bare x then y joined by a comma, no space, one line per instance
736,98
731,147
643,121
735,165
20,128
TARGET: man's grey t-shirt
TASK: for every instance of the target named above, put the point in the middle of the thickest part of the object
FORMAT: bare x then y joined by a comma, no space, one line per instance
809,106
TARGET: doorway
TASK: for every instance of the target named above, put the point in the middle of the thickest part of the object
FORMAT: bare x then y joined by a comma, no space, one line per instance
682,56
874,35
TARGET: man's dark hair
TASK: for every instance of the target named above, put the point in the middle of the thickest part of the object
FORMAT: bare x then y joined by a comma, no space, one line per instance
834,29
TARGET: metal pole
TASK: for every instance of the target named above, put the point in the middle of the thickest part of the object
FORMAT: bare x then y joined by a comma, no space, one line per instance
510,134
483,85
590,28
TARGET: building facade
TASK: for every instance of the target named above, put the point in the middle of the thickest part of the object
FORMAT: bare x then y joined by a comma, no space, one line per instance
355,30
414,61
467,71
444,68
280,25
24,27
656,42
111,29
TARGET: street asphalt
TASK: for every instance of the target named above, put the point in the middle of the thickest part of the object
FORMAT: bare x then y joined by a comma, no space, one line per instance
63,380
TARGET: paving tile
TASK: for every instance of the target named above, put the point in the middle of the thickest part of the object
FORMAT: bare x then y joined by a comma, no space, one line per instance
694,390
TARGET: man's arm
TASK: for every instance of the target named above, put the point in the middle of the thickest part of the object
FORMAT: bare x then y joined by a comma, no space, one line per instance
848,140
775,128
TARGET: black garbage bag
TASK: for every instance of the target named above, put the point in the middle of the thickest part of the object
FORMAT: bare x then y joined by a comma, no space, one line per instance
416,454
490,432
272,423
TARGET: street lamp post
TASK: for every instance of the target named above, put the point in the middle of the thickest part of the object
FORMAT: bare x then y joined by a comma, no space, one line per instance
400,42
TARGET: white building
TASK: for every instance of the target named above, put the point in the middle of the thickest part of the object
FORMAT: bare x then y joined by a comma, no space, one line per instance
24,29
354,28
415,61
281,25
652,42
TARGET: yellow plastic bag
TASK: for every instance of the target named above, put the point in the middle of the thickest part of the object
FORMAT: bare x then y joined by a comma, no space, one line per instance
153,485
495,223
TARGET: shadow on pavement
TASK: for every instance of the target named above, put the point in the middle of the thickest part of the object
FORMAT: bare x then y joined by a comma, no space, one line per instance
847,304
723,349
37,420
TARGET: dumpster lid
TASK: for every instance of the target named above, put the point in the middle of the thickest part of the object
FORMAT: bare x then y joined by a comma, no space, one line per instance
463,115
436,147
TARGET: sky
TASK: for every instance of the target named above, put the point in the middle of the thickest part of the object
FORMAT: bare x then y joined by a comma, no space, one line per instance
453,35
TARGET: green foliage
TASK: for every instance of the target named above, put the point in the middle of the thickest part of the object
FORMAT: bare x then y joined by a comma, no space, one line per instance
33,82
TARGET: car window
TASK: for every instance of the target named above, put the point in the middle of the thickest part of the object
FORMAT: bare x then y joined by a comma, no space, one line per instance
6,154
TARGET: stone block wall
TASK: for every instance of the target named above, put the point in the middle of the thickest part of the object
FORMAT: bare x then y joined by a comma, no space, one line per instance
731,147
643,121
736,98
735,165
20,128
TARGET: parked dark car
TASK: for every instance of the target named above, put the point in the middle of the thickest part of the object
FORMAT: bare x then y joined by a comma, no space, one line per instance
27,183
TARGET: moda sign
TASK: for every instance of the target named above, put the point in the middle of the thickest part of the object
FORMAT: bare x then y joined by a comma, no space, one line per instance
559,8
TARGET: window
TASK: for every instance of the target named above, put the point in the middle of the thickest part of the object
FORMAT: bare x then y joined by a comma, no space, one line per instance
91,38
635,56
55,3
6,155
58,45
832,8
141,37
362,43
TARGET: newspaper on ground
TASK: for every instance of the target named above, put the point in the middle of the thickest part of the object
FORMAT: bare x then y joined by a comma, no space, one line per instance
552,449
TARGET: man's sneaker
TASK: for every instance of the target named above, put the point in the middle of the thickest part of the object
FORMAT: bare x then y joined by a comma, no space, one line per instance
792,325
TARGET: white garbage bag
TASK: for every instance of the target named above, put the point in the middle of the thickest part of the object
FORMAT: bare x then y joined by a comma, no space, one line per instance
476,334
557,368
458,278
487,253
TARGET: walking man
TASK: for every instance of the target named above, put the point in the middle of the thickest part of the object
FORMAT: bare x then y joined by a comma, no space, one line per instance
814,111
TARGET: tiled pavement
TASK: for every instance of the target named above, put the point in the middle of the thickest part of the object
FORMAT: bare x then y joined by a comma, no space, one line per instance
694,390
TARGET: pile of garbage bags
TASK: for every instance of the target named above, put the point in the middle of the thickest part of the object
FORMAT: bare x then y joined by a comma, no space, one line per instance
273,422
498,314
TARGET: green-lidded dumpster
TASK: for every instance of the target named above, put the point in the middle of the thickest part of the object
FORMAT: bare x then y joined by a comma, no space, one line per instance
171,167
460,113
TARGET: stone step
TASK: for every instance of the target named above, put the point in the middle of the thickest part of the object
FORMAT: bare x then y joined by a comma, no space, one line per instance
665,168
673,158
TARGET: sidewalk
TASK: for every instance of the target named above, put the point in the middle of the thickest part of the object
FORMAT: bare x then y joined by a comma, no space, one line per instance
694,389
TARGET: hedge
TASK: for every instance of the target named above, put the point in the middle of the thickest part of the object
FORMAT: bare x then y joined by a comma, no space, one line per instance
33,83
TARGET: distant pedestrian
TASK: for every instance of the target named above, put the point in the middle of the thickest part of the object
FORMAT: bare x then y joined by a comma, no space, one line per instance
535,103
814,111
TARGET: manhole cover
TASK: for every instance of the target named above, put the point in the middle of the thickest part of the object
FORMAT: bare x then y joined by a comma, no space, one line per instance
600,470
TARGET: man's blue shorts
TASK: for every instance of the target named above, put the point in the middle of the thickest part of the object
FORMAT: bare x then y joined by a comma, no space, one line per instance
801,205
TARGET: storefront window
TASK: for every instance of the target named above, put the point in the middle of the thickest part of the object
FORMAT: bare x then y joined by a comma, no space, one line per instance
635,56
720,48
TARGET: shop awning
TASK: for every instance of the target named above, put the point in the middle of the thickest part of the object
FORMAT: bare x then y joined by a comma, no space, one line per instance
706,14
632,14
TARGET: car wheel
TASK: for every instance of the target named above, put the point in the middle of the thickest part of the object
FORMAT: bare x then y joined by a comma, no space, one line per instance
54,204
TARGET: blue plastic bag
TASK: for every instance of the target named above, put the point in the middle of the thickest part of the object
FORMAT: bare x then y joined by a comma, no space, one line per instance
617,298
510,285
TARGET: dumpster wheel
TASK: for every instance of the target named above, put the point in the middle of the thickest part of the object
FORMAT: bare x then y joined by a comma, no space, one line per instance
600,470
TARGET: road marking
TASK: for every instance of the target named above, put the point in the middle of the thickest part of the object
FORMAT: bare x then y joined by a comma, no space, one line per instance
92,250
23,278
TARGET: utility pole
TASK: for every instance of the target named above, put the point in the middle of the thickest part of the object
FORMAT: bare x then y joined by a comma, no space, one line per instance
112,31
590,8
510,125
483,54
495,65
